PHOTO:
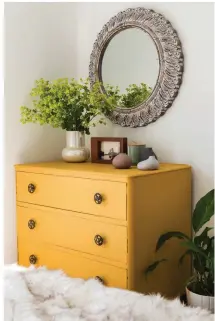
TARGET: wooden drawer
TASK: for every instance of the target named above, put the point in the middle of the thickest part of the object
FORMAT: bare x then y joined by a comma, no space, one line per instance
74,231
76,194
73,264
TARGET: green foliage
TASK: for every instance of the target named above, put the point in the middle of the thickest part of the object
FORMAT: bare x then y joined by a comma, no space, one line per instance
69,104
200,248
135,95
206,205
73,105
181,260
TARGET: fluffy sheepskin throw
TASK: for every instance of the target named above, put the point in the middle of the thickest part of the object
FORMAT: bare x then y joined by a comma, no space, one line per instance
43,295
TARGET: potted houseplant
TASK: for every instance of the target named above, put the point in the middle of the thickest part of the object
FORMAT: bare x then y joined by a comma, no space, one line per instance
72,105
200,287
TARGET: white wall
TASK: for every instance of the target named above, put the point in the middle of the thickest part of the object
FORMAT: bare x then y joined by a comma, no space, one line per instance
54,40
185,133
39,42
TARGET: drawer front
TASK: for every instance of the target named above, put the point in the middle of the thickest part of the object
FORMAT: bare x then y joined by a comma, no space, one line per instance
76,194
69,230
73,265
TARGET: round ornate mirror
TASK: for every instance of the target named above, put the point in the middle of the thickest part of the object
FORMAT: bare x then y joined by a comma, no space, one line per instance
139,54
136,81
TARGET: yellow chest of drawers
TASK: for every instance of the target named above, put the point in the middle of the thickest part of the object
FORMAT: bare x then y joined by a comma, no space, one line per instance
92,220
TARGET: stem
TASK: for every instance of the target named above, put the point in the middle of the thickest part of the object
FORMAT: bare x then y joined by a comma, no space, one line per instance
92,118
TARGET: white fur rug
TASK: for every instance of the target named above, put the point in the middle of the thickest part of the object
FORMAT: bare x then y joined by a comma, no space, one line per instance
42,295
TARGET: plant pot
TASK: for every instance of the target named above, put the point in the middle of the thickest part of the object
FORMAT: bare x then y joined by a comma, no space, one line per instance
202,301
75,150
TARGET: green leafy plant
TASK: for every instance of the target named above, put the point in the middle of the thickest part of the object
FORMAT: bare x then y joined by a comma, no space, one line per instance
200,248
69,104
135,95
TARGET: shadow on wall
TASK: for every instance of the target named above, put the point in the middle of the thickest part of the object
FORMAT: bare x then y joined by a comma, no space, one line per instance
43,146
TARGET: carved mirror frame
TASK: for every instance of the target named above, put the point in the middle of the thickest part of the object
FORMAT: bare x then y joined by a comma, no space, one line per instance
171,63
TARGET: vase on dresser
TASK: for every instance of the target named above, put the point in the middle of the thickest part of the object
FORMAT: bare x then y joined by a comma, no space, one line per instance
75,150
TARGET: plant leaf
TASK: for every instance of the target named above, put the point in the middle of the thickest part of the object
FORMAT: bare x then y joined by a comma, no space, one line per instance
194,248
203,239
153,266
203,234
199,264
204,210
166,236
180,261
191,279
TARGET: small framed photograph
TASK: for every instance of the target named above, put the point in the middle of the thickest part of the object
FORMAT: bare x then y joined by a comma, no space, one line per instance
104,149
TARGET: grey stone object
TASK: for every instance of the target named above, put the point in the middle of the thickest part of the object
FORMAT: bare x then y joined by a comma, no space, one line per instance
122,161
149,164
146,153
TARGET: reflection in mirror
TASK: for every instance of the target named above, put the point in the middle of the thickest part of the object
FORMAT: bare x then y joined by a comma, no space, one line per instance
131,65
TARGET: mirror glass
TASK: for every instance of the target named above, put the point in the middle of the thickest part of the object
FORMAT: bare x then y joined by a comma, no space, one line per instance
131,62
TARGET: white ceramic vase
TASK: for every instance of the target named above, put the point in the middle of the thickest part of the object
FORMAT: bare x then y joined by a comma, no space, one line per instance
149,164
202,301
75,150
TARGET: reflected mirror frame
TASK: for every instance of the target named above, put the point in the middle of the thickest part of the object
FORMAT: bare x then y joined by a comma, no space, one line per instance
171,63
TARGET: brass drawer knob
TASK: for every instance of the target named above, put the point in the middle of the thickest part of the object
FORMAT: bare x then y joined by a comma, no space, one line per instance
98,240
98,198
99,279
31,224
31,188
32,259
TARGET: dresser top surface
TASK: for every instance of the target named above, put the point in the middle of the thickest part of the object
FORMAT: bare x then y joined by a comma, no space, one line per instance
93,170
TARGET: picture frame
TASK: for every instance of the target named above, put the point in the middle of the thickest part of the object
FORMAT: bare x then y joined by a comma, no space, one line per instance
104,149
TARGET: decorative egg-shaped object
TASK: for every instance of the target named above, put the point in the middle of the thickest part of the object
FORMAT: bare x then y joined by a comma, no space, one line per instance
122,161
149,164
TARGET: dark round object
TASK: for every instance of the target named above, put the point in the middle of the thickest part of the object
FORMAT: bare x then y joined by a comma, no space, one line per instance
98,240
122,161
32,259
99,279
31,188
98,198
31,224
